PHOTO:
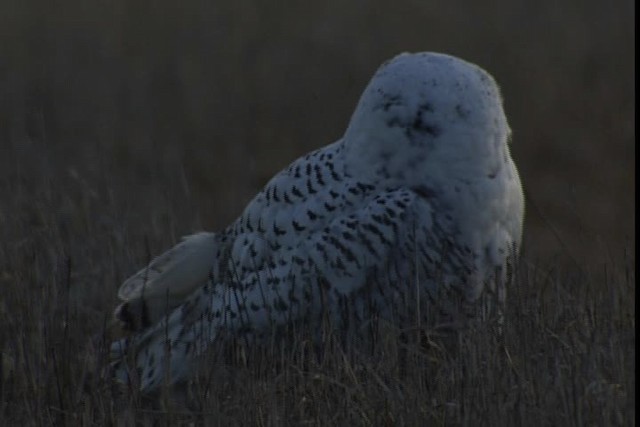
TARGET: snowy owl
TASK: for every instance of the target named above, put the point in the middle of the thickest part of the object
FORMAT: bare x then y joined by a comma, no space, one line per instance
417,209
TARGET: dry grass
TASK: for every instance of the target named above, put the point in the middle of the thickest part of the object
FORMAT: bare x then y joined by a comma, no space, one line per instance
123,128
566,355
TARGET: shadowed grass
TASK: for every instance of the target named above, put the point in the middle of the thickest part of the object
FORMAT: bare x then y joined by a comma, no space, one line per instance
566,354
123,129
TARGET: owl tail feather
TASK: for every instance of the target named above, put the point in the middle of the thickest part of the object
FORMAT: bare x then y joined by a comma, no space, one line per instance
161,355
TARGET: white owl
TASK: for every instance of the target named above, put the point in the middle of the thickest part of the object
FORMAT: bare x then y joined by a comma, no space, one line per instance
417,208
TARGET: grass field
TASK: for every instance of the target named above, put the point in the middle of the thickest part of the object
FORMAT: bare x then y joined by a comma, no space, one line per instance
123,128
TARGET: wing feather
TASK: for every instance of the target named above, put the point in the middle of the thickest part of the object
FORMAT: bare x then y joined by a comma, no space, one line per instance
166,281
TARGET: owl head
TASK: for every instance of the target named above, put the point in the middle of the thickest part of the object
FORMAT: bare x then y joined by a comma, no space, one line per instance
428,117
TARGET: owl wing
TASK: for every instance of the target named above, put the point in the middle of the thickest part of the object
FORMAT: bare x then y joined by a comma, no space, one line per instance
346,254
162,285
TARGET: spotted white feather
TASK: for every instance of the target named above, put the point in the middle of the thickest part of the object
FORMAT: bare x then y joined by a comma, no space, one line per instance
418,207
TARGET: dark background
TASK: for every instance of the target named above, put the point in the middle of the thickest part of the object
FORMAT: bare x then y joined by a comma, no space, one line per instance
127,124
179,112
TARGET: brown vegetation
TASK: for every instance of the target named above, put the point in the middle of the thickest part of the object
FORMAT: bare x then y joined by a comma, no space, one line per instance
124,126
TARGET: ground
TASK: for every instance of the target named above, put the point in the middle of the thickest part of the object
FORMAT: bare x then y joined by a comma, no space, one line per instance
124,128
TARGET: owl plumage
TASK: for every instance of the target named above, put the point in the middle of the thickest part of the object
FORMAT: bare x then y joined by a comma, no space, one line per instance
417,207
